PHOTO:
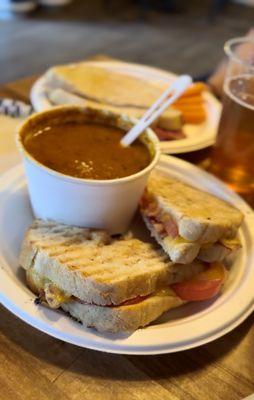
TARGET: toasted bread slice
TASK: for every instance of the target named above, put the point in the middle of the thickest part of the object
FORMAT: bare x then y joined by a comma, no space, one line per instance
218,251
213,252
91,266
104,85
199,216
127,317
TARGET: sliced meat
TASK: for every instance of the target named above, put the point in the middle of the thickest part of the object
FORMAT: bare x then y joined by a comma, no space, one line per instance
163,223
171,228
164,134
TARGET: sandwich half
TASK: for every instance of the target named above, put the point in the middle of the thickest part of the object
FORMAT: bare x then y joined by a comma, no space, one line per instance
189,223
104,85
97,87
110,284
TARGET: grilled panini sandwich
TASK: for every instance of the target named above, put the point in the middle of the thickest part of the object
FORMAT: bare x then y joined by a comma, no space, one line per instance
189,223
110,284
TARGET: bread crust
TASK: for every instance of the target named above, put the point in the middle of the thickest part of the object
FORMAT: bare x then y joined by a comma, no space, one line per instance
122,318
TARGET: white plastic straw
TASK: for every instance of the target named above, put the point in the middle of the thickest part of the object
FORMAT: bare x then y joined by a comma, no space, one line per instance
174,91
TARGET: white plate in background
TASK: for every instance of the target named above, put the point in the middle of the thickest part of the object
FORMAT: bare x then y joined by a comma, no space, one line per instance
198,136
189,326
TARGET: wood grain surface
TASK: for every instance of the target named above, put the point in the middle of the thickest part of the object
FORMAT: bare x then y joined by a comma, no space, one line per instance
35,366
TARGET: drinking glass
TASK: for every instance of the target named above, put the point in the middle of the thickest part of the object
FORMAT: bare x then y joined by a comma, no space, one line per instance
233,155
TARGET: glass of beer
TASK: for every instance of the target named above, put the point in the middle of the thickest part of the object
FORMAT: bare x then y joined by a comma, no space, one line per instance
233,155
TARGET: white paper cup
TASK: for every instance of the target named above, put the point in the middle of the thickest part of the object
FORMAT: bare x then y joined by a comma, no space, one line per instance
103,204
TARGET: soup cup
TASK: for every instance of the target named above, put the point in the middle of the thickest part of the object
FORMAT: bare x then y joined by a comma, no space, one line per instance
102,204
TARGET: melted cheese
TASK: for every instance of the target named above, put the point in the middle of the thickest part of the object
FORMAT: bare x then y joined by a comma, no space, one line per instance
55,296
51,293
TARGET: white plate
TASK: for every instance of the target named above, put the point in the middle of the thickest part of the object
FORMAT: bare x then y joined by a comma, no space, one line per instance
188,326
198,136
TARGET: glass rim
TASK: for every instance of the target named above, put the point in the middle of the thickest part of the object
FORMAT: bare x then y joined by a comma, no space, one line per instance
230,53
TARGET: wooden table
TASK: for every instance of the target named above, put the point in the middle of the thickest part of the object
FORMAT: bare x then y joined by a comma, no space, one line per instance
35,366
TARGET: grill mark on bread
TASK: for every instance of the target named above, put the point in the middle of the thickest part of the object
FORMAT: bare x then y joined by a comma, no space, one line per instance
107,253
106,276
90,265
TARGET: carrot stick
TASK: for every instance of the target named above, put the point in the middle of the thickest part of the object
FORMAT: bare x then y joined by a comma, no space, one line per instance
190,108
196,103
189,100
192,114
191,118
195,89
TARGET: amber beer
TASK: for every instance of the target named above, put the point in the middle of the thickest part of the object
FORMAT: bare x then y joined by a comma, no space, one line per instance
233,156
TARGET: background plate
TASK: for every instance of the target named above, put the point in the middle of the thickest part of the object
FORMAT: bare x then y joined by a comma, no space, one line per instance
183,328
198,136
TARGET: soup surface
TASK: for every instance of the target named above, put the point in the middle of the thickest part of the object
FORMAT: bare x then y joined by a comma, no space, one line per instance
86,150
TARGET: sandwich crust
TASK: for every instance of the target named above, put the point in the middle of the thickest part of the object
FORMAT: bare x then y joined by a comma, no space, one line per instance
126,317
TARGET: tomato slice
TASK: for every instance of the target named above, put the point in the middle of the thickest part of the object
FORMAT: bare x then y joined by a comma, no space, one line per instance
204,286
